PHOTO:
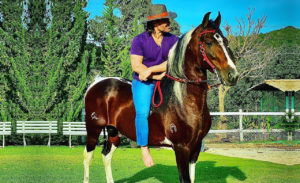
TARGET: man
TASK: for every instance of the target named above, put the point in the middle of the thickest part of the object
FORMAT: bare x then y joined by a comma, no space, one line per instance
149,52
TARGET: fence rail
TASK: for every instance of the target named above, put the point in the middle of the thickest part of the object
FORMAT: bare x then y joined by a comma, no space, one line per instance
5,129
241,130
29,127
78,128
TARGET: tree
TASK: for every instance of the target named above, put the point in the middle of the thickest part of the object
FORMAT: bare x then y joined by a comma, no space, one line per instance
15,95
65,59
42,42
120,27
251,55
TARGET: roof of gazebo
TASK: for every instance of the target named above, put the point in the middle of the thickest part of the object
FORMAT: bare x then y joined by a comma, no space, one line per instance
278,85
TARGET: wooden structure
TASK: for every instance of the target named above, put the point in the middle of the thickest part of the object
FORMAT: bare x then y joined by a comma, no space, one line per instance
74,128
289,86
40,127
5,129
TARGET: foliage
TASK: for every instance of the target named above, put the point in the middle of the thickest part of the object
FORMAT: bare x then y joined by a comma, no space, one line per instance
42,47
289,123
120,28
278,54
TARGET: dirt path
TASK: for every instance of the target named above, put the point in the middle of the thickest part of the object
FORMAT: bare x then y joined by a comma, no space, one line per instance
279,155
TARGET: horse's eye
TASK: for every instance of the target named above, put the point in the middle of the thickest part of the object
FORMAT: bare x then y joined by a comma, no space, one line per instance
208,44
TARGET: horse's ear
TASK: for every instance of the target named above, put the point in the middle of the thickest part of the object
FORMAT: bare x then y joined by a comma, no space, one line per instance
218,20
205,20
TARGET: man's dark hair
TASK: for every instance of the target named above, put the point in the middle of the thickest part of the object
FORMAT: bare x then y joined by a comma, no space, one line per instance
150,26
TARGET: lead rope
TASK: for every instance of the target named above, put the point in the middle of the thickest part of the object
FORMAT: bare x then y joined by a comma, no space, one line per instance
157,86
197,81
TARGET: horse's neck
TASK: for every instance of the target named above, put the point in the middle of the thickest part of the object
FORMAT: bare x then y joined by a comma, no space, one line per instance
192,69
176,94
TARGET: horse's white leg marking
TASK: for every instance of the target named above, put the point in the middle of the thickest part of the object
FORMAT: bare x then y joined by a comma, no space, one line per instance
192,167
87,162
166,141
107,164
219,38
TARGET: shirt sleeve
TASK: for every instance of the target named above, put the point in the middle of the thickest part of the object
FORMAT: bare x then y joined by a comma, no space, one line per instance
174,40
136,47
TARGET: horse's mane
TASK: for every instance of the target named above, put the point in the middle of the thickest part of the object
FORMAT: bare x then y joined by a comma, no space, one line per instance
177,54
174,91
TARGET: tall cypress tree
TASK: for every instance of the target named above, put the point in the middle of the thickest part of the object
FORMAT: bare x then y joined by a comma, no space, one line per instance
15,95
111,48
43,63
66,60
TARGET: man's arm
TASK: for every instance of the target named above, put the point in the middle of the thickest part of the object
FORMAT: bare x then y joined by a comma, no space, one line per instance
159,68
138,67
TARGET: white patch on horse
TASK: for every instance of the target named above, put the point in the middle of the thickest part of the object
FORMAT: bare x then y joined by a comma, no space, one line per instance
173,128
192,167
166,142
219,38
88,156
98,79
182,47
179,88
107,164
94,116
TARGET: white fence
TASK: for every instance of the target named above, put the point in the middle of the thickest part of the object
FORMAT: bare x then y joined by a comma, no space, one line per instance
241,130
78,128
73,128
28,127
5,129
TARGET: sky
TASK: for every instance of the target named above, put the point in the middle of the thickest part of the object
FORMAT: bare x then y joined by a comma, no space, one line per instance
280,13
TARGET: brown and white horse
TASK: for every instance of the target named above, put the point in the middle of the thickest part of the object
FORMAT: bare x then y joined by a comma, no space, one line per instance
183,119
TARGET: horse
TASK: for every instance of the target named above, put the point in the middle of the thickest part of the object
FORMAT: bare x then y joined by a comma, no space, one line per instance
182,120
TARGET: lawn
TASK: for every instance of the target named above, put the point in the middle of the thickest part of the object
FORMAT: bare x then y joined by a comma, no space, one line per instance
41,164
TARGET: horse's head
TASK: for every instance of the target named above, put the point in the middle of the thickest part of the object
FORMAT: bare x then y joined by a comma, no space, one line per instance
212,50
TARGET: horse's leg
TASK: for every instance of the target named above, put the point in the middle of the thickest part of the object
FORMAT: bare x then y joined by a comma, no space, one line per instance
109,148
193,160
182,159
91,142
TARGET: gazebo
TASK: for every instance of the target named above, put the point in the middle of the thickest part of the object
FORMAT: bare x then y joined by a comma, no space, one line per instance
289,86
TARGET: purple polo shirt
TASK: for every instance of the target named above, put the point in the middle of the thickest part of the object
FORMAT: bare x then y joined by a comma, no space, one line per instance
144,45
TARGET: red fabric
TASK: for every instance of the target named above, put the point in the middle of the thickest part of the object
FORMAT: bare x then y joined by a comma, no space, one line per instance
162,15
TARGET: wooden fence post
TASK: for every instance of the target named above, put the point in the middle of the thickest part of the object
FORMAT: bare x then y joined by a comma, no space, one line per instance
3,141
70,136
50,128
23,128
241,125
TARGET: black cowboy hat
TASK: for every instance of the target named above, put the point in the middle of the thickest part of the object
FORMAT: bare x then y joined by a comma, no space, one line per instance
159,11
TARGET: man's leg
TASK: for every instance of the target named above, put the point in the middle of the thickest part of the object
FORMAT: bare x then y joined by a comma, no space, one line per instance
142,94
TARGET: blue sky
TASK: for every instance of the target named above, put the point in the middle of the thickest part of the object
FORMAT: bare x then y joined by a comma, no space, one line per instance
280,13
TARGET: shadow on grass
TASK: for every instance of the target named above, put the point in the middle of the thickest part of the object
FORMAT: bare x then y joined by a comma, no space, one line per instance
206,171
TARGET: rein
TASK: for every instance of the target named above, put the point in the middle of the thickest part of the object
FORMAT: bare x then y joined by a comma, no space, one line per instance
187,81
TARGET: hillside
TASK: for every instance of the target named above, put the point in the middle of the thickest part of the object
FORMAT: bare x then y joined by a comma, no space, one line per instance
287,36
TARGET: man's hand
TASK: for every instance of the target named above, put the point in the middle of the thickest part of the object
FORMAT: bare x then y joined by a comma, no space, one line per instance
159,76
143,76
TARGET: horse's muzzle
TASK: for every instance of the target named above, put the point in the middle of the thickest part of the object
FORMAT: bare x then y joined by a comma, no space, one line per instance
230,77
233,77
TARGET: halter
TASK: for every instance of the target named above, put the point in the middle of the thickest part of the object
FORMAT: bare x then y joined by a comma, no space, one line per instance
196,81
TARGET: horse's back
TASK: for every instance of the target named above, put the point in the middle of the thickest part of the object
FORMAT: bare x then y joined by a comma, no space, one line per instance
106,99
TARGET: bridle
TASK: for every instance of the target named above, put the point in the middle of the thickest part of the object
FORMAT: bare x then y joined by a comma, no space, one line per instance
205,59
188,81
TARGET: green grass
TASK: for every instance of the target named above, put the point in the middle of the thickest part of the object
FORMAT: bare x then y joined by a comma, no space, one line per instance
40,164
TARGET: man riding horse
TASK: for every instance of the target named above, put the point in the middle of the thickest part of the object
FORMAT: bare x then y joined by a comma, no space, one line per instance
149,54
